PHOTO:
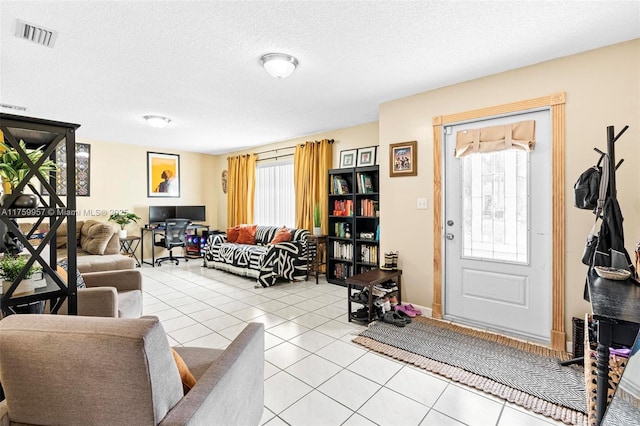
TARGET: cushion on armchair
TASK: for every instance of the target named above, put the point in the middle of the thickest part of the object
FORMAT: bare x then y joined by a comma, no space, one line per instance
63,270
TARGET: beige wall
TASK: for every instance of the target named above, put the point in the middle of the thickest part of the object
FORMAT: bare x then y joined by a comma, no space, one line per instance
119,181
602,88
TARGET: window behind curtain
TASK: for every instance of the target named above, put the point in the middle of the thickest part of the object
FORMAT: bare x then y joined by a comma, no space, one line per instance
274,196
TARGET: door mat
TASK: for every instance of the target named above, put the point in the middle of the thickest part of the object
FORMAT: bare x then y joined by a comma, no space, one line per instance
523,373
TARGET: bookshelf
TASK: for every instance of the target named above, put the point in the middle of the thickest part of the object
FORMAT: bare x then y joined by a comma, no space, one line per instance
353,211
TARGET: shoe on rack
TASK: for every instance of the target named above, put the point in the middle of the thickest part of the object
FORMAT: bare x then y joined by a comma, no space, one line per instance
377,292
383,289
361,314
361,297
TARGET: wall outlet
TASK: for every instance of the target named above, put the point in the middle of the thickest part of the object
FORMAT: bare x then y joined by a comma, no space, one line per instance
422,204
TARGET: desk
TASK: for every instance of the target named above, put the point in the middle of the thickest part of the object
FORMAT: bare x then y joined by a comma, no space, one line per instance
615,307
368,280
129,245
153,230
319,244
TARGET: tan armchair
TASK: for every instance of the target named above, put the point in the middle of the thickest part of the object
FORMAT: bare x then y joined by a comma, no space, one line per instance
116,294
71,370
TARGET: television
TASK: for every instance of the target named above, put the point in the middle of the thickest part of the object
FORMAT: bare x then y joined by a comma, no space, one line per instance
161,213
193,213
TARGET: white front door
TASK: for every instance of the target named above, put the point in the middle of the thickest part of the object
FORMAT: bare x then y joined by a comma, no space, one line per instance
497,230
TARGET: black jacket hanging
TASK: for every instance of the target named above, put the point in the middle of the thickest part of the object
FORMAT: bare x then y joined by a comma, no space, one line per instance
610,250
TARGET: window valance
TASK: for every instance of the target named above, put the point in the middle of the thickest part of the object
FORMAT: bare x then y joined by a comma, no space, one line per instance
520,135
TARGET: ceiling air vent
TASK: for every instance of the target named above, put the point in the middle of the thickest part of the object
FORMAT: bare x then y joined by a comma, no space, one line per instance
36,34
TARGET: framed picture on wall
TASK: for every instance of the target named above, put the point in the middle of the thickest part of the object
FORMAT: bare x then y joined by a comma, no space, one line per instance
348,158
367,156
403,159
163,175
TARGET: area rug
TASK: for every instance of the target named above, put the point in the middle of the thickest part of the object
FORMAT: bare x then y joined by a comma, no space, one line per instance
525,374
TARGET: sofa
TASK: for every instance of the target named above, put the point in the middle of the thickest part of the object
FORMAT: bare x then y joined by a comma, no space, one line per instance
97,245
72,370
260,258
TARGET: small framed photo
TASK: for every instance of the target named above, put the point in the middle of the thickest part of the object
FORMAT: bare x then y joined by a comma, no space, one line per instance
367,156
348,158
163,175
403,158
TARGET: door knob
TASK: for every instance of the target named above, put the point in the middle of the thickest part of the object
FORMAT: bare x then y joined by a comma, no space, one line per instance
450,222
449,236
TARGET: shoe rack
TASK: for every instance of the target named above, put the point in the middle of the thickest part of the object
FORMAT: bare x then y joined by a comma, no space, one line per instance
368,281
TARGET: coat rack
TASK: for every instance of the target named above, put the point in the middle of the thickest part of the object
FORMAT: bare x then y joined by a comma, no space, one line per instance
611,152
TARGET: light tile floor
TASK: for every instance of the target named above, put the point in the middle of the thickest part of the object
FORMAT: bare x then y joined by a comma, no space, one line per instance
314,374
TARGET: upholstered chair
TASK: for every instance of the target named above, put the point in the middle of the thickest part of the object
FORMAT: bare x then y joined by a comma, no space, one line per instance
71,370
116,294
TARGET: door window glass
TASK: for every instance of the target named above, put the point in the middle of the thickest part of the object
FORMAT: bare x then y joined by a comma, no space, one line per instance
495,206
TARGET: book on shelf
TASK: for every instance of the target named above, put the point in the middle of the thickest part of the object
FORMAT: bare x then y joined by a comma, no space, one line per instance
343,207
368,253
342,250
342,230
365,183
342,271
339,186
368,207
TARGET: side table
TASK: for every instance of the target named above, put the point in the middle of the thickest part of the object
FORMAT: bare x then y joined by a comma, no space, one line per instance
316,245
129,245
368,280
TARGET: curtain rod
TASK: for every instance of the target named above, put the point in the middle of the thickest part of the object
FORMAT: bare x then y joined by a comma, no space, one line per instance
274,158
286,147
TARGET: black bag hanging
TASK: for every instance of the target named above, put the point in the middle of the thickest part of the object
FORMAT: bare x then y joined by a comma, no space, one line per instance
586,188
592,240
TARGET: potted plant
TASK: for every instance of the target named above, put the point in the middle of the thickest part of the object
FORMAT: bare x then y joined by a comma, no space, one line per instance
123,218
10,267
317,219
13,170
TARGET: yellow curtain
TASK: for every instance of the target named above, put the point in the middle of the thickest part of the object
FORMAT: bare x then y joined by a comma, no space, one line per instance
240,189
311,164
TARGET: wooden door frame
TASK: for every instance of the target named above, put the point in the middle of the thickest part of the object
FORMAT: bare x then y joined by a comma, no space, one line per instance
556,103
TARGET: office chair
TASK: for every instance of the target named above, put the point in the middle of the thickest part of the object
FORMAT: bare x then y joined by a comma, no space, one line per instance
175,231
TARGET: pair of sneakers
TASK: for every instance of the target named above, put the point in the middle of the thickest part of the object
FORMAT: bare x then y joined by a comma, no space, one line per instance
408,310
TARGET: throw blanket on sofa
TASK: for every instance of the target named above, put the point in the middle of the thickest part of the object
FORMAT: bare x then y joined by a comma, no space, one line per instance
263,261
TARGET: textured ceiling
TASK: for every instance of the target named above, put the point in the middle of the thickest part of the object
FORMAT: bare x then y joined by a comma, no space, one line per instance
198,61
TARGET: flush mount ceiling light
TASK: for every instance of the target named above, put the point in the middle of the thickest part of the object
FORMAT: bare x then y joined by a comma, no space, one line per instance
157,120
279,65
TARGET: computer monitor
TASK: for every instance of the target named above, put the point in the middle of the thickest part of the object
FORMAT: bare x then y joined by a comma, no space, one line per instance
193,213
161,213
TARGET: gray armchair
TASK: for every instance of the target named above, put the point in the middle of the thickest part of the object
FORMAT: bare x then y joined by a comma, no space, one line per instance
70,370
116,294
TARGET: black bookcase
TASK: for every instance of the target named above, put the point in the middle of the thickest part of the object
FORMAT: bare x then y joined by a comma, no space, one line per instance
353,211
52,208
